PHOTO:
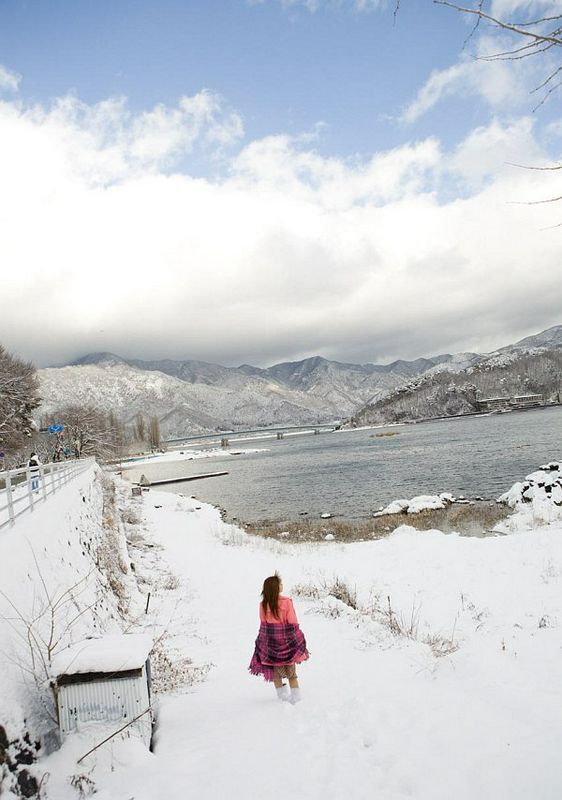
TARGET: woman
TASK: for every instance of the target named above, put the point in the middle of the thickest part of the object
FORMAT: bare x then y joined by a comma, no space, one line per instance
280,644
34,470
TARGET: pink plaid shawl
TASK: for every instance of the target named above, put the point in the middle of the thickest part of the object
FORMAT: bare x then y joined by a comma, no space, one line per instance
277,644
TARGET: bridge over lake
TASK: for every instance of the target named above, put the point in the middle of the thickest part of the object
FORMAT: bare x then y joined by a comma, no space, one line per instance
265,433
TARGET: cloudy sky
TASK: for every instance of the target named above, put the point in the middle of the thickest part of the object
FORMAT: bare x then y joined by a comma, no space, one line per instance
263,180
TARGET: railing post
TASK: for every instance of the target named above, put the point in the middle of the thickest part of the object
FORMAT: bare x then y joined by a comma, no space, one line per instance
42,474
53,478
29,489
11,515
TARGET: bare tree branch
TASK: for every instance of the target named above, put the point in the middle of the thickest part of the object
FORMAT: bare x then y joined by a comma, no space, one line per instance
520,30
534,202
540,169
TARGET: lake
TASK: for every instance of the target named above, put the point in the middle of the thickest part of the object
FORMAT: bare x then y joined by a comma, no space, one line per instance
352,473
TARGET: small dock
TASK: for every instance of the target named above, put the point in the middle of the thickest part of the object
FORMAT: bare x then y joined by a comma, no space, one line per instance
143,481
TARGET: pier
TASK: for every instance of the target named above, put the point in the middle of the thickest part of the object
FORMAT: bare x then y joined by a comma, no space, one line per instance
143,481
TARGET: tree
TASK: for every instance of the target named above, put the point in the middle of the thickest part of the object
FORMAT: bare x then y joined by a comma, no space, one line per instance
117,433
19,397
139,428
88,432
154,434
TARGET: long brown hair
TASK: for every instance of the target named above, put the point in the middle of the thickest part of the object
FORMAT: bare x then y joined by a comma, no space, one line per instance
270,594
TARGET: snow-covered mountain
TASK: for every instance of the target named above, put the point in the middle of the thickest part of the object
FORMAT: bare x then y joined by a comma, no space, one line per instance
181,406
551,339
193,396
530,366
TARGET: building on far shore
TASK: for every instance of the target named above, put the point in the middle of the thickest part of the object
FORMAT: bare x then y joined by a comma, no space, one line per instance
527,400
493,403
518,401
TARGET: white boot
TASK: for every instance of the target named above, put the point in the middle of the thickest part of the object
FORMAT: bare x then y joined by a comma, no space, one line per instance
295,696
283,692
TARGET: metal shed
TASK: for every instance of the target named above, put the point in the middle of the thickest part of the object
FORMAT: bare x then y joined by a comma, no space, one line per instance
106,679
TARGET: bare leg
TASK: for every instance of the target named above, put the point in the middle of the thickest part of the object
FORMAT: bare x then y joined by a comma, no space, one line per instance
294,684
280,687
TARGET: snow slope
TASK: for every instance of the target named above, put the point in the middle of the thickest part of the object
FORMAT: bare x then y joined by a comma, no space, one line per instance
382,715
53,566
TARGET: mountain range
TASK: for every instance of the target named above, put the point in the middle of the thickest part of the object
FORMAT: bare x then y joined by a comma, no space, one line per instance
194,396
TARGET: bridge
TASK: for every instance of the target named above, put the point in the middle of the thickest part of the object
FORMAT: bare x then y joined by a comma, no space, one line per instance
265,433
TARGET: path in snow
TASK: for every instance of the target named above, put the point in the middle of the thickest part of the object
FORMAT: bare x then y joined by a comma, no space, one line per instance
380,717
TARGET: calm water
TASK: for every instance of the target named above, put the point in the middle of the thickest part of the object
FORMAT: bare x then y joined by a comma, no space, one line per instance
352,473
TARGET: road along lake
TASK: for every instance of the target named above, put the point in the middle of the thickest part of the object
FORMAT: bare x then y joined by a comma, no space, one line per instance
352,473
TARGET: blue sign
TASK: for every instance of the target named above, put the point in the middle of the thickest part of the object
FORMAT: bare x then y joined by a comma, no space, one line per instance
56,428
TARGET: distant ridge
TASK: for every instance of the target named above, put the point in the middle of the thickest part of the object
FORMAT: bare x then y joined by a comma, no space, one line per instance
189,396
531,366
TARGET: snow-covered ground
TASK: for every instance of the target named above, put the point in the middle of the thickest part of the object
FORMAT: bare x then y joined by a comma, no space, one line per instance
443,682
187,455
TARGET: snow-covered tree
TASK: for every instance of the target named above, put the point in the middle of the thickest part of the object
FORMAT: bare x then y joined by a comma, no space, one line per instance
154,432
89,432
139,430
19,397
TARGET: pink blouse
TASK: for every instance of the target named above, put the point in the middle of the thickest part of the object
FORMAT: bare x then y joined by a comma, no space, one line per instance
285,611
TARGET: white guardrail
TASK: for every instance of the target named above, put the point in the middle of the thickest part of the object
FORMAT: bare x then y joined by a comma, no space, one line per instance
23,489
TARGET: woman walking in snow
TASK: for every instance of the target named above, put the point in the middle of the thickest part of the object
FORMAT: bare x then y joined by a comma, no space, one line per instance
280,644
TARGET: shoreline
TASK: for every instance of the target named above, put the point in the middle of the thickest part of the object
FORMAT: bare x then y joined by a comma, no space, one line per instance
212,438
466,518
303,507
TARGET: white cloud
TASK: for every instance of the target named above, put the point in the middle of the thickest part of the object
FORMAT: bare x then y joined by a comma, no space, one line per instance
504,85
524,9
490,151
411,251
9,80
284,164
106,142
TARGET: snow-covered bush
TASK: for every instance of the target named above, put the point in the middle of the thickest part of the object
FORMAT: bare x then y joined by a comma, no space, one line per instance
537,500
422,502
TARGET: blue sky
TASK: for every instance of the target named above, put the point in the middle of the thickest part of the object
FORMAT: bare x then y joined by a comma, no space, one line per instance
264,181
284,70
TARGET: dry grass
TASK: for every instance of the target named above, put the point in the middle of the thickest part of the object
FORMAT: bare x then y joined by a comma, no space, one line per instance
441,646
307,590
109,556
339,589
130,516
172,671
474,519
171,582
399,624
